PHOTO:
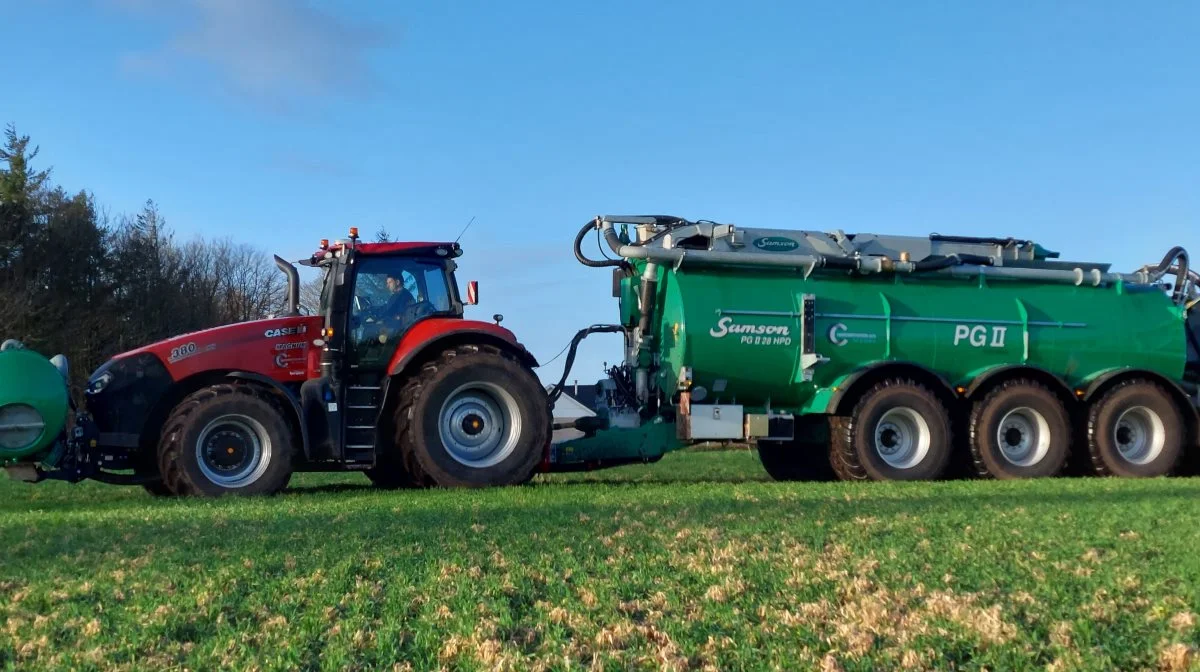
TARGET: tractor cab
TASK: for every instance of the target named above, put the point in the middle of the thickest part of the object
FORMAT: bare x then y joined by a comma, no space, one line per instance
373,293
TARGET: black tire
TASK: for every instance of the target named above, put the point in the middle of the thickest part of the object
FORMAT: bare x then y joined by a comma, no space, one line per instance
241,414
1135,430
1019,430
838,427
146,467
486,384
157,488
917,426
389,472
804,458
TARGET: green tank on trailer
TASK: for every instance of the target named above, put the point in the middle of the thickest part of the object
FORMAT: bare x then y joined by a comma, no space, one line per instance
33,403
871,356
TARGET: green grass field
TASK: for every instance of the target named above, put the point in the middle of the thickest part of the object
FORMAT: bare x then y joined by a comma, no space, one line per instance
697,562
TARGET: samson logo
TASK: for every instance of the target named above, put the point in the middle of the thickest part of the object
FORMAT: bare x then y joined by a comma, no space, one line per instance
285,331
776,244
753,334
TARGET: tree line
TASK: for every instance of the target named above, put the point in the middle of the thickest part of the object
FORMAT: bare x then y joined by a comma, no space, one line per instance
77,281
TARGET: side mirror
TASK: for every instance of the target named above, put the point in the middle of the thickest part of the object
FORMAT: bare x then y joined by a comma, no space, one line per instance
473,293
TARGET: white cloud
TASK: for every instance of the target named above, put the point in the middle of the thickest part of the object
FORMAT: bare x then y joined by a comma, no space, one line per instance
274,52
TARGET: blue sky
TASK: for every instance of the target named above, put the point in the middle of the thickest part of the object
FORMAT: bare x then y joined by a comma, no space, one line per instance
279,123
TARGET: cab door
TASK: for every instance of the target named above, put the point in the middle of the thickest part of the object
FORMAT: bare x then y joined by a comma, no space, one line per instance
391,294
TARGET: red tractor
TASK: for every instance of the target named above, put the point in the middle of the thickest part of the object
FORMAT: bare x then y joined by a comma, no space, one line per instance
388,378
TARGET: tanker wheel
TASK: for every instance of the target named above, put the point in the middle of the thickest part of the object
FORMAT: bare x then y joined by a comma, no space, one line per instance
226,439
804,458
898,431
1019,430
473,417
1135,430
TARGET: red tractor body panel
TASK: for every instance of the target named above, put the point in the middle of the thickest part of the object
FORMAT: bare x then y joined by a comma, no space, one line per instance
276,348
438,328
374,249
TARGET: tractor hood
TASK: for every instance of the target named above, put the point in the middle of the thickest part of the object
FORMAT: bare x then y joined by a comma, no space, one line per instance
33,404
276,348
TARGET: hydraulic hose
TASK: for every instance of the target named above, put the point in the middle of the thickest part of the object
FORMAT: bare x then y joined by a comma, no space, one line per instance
1176,256
941,262
594,263
556,391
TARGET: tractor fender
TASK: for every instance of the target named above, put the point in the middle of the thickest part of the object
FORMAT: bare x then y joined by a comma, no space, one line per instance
293,401
440,333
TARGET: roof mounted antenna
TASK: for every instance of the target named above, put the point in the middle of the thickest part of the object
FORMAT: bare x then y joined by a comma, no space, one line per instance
460,235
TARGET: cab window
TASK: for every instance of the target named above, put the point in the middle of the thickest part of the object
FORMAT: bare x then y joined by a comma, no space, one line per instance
390,295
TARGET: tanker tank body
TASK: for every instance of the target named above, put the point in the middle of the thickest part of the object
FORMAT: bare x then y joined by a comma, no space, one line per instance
885,357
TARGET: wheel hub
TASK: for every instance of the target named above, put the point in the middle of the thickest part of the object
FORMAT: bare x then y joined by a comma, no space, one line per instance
233,451
902,438
1023,436
473,425
227,449
479,424
1140,435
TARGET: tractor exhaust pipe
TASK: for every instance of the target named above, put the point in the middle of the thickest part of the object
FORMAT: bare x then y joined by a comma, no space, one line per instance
293,305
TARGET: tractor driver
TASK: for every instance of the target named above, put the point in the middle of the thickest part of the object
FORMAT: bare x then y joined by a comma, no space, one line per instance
401,299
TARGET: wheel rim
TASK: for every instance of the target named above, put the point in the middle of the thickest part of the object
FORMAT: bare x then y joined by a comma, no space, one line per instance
902,438
233,451
1140,435
479,424
1023,437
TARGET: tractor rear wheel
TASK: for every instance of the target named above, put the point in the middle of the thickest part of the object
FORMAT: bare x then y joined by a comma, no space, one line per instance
804,458
898,431
1135,430
473,417
226,439
389,472
157,488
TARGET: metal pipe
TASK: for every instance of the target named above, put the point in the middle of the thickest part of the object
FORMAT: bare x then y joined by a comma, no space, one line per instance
645,333
955,265
293,285
676,256
1076,276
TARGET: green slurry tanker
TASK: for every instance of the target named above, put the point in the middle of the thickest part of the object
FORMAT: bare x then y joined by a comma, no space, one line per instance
856,356
886,357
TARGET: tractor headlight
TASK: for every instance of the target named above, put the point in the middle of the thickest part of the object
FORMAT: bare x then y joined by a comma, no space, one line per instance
20,426
101,377
97,384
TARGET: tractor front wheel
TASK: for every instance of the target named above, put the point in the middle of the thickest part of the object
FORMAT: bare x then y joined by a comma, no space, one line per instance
473,417
226,439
